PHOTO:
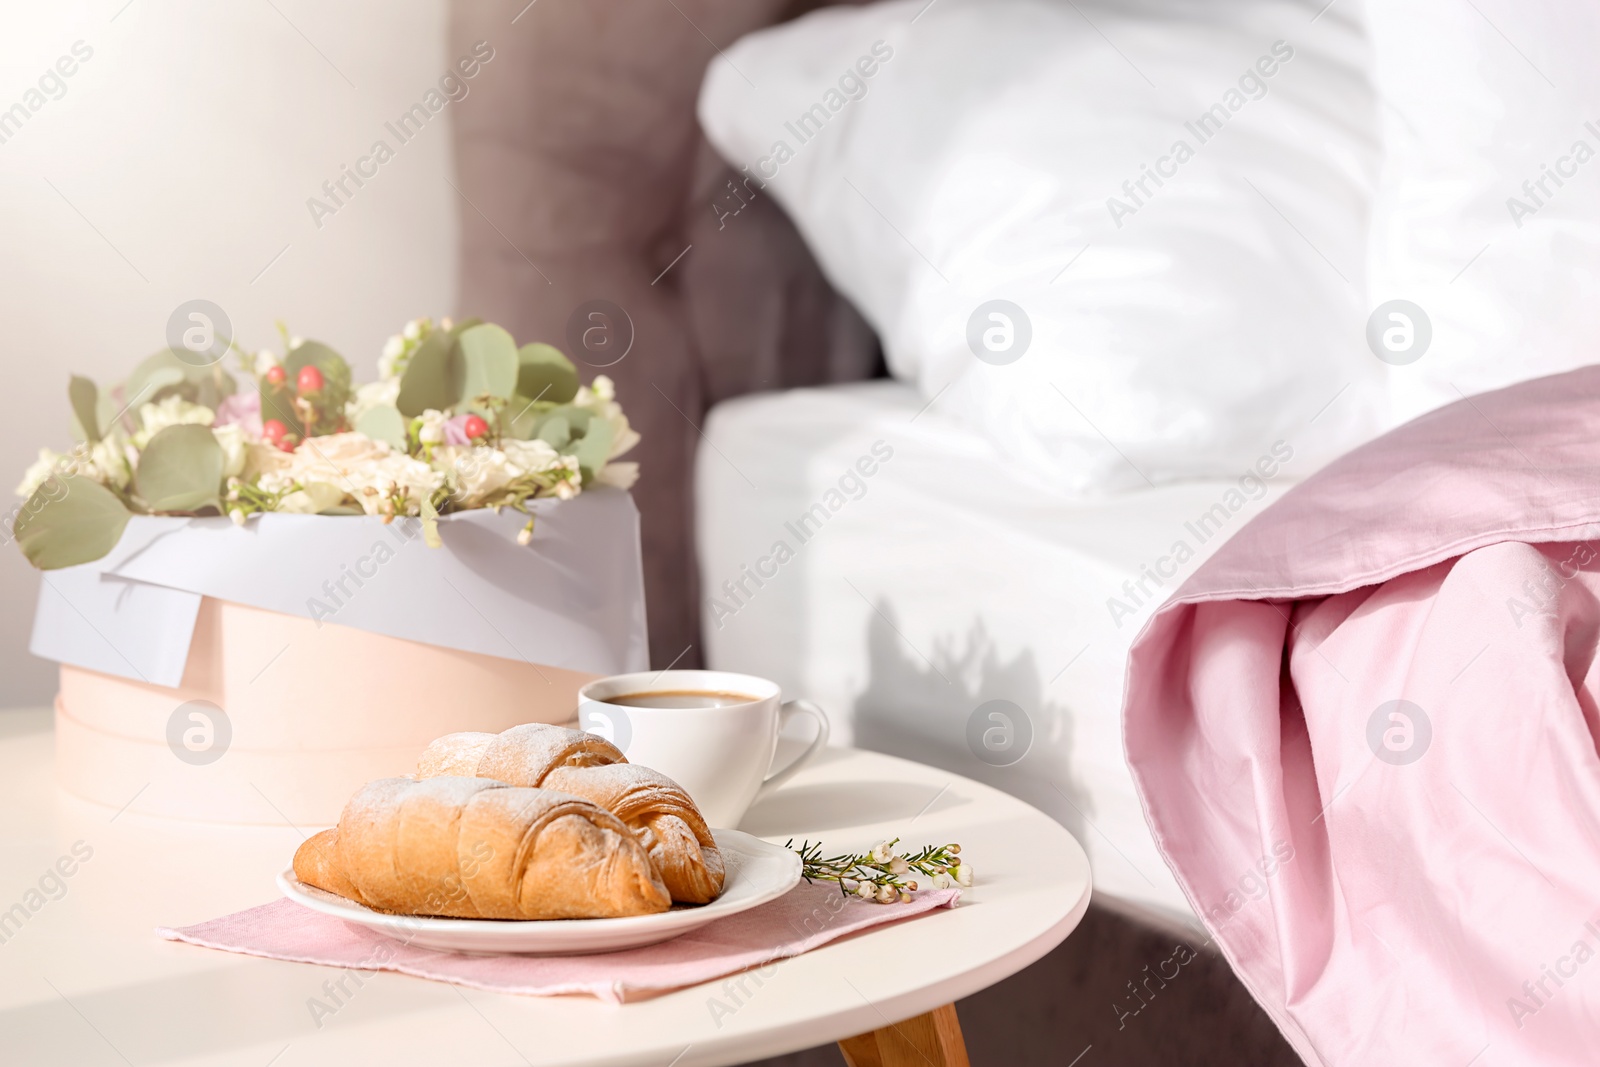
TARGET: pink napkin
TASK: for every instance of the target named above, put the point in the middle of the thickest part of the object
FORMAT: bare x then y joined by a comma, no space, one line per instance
805,918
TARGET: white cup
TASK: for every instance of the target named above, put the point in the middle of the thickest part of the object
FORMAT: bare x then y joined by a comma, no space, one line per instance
720,755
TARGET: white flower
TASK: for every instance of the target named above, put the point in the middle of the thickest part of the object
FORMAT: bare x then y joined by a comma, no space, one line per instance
476,472
567,488
231,438
275,481
414,329
339,453
371,395
399,477
588,399
237,515
296,342
866,891
898,865
942,881
171,411
525,535
265,361
604,389
881,853
329,468
313,498
38,472
389,365
432,431
263,459
532,457
621,475
887,894
623,436
109,463
353,463
963,874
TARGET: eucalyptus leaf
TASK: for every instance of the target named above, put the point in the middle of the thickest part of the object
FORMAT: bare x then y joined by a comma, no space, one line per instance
578,419
181,470
210,385
85,398
523,417
594,449
165,373
153,377
543,373
488,362
429,380
384,423
107,410
556,432
318,355
69,520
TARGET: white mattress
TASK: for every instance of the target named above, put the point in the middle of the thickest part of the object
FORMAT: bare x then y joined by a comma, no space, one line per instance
947,581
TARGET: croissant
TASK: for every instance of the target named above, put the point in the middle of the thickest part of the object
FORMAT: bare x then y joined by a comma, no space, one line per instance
522,755
453,754
476,848
668,824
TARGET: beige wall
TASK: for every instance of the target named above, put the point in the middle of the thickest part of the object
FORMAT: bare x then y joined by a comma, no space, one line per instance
191,140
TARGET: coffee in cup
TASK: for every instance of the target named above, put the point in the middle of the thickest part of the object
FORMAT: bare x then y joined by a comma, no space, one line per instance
713,732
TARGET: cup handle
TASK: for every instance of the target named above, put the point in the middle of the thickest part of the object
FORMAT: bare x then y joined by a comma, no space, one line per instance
790,709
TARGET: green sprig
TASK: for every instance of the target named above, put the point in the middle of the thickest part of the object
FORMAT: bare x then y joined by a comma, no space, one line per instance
880,873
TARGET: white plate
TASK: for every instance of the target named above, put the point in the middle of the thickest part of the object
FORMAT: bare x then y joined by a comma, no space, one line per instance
756,872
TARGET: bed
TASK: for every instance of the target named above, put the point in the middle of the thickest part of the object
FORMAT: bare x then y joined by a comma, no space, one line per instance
948,580
1232,228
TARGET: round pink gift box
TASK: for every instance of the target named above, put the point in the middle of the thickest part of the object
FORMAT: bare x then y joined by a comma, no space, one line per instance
335,708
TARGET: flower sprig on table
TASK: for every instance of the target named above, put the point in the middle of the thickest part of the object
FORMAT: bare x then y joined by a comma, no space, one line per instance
879,874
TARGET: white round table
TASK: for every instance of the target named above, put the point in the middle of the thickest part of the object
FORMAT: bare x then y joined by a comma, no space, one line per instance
85,981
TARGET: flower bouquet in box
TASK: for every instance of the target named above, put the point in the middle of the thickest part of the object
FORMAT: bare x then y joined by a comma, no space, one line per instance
266,585
460,418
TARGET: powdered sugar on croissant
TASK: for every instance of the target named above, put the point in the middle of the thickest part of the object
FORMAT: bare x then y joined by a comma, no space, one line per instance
477,848
665,818
521,756
456,754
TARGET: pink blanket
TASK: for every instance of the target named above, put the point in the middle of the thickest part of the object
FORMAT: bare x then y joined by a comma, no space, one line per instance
1365,737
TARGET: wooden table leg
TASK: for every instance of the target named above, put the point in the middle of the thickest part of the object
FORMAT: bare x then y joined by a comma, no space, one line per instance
932,1039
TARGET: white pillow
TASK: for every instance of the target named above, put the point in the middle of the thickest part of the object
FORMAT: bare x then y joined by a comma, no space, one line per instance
1480,99
1176,331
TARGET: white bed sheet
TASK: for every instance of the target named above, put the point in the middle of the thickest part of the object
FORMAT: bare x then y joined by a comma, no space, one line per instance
947,580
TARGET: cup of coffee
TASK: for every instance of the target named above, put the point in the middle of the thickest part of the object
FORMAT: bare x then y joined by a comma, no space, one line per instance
713,732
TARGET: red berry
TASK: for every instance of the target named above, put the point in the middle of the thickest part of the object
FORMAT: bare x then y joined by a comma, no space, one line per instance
286,445
474,427
275,375
309,380
273,430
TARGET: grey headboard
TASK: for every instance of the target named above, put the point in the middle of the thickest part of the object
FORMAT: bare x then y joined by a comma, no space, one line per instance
583,176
